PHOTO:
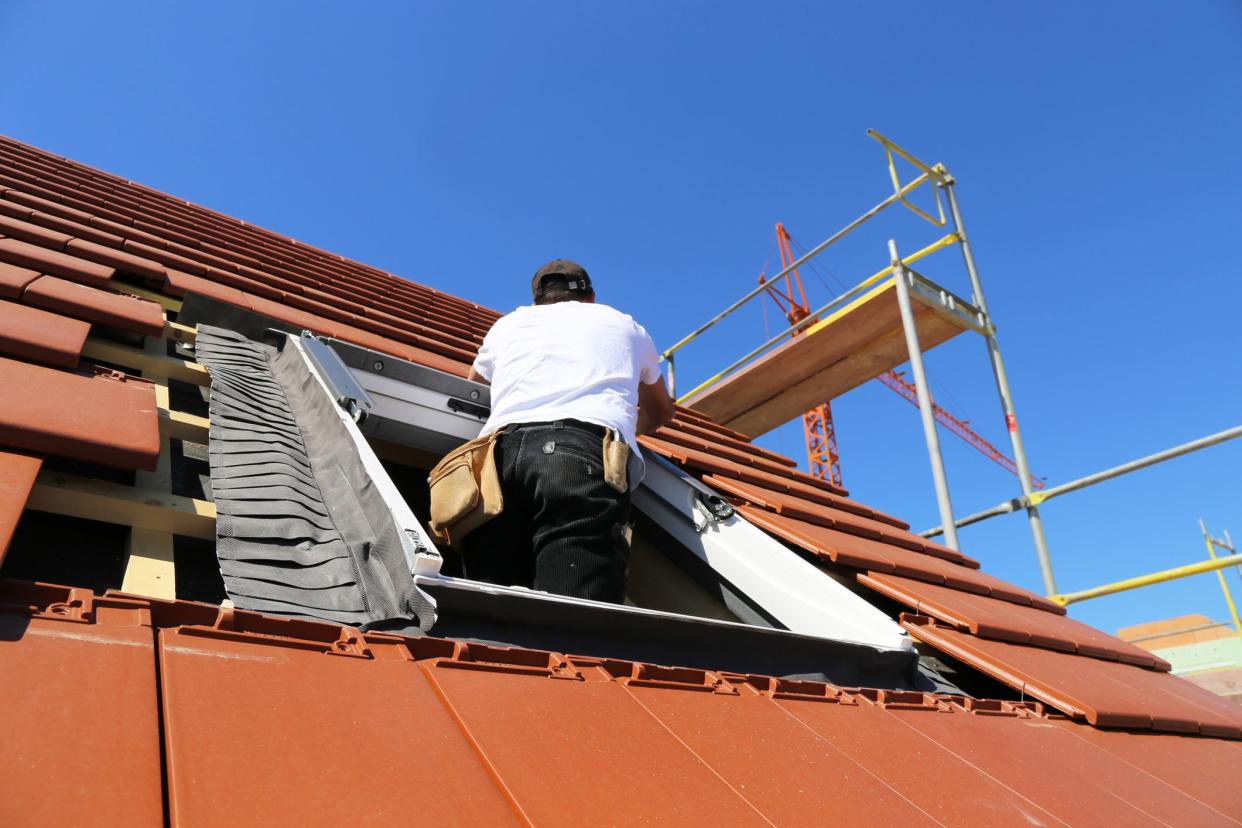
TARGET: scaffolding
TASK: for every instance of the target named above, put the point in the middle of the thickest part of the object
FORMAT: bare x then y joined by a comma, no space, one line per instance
927,314
1214,563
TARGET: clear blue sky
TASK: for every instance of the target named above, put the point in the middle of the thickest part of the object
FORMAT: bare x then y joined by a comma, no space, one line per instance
461,145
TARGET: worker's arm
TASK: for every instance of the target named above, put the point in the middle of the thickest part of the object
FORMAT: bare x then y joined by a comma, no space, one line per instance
655,406
475,376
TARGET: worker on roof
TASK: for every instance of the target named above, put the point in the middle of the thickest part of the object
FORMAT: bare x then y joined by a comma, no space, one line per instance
569,376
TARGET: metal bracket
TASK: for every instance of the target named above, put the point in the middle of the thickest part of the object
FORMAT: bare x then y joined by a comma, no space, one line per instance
712,508
349,395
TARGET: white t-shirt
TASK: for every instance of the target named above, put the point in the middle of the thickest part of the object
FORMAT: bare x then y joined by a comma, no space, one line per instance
569,360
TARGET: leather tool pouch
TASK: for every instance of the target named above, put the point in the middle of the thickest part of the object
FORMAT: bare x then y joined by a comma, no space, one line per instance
465,489
616,461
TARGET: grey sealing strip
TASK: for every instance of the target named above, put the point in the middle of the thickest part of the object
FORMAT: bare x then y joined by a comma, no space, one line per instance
301,529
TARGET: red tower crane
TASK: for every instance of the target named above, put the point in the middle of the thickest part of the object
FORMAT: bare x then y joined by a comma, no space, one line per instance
823,458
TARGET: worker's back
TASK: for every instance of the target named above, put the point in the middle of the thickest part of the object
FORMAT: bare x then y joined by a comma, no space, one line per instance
568,360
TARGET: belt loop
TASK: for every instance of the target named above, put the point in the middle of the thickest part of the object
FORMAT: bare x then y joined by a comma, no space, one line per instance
558,425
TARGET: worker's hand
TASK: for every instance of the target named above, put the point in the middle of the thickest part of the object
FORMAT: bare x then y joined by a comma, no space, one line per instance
655,406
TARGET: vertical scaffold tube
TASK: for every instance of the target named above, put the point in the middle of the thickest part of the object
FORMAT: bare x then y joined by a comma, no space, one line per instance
1006,399
926,413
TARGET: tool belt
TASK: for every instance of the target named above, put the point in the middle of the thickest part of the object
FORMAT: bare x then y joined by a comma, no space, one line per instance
465,485
465,489
616,461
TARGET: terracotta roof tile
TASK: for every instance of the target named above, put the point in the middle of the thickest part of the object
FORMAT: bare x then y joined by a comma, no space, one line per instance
13,280
1004,621
157,254
822,515
24,254
33,233
513,729
709,463
123,262
36,335
1105,693
690,425
875,556
92,417
82,302
17,477
16,211
78,230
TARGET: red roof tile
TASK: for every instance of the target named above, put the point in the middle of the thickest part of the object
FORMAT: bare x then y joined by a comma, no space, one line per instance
36,335
1075,780
13,280
119,259
33,233
821,515
24,254
17,477
1006,621
511,731
1205,769
118,310
1105,693
95,417
89,685
709,463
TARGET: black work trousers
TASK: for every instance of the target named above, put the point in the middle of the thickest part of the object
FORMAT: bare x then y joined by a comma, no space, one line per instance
563,530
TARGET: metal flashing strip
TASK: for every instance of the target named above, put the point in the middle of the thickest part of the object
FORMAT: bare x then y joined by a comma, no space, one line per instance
305,522
515,616
412,404
794,591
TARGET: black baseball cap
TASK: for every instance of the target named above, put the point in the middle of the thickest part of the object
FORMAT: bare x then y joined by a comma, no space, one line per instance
572,274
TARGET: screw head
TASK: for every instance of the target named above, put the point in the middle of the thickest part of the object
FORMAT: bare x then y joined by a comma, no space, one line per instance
377,366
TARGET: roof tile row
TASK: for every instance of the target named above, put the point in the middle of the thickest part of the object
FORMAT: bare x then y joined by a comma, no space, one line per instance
204,239
1105,693
987,617
1012,634
708,463
783,503
512,730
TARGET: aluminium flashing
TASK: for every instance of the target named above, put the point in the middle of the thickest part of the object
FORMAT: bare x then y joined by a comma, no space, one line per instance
794,591
516,616
415,405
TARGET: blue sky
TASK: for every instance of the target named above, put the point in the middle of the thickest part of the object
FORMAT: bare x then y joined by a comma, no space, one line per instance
461,145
